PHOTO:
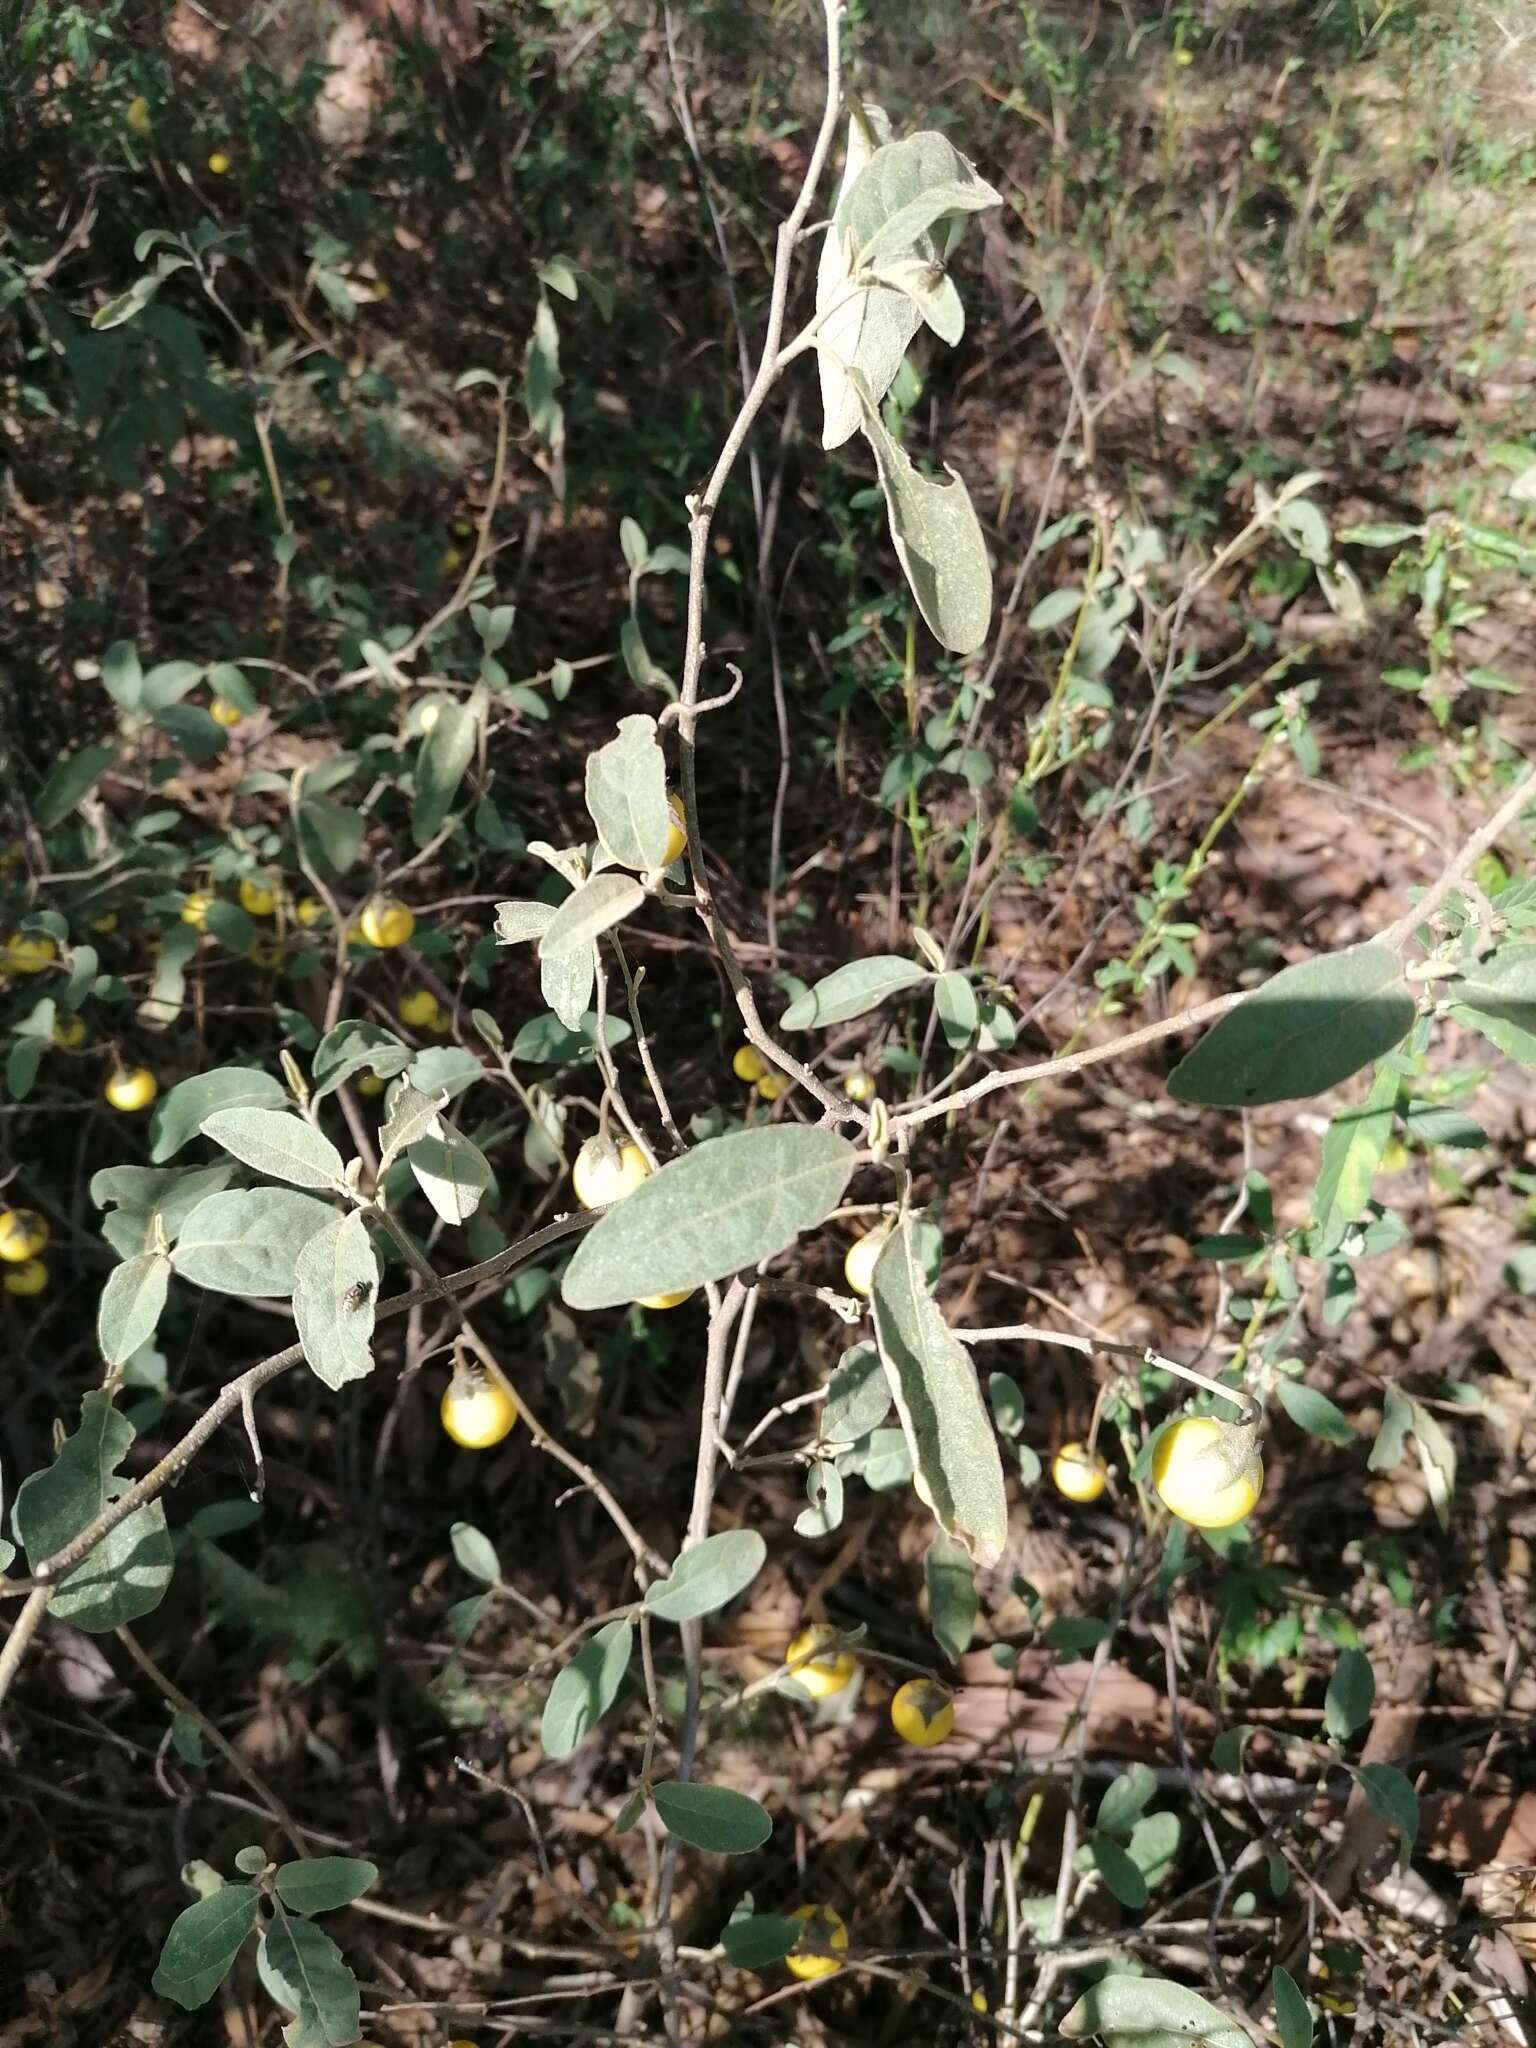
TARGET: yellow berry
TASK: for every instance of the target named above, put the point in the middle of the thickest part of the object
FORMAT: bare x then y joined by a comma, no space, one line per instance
131,1088
137,119
449,560
815,1666
386,922
308,910
1183,56
370,1084
605,1172
978,2001
324,485
107,922
477,1413
381,287
859,1086
218,163
677,836
257,898
859,1260
428,716
418,1006
772,1086
25,954
195,910
923,1712
265,950
1396,1156
666,1300
224,713
1207,1472
68,1032
747,1064
23,1233
31,1278
824,1936
1078,1475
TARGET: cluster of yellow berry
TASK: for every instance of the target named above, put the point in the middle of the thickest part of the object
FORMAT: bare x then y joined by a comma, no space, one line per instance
1205,1471
23,1233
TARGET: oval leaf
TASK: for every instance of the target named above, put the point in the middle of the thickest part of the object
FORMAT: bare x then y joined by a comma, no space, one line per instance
1293,2015
709,1576
130,1307
956,1466
444,755
627,792
601,902
279,1146
202,1943
858,1396
319,1884
73,780
180,1115
127,1573
586,1689
304,1971
711,1817
475,1552
951,1582
247,1241
335,1300
727,1204
451,1172
759,1939
1309,1028
1351,1695
851,990
938,541
1147,2012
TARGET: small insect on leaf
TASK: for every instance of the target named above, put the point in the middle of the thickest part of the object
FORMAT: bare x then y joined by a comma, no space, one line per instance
357,1296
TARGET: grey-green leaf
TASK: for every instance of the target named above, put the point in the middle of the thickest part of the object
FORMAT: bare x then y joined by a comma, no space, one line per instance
1394,1798
475,1552
626,791
127,1573
1125,1801
1351,1695
851,990
709,1576
954,998
520,921
601,902
354,1048
956,1466
202,1943
451,1171
1306,1030
858,1396
904,190
711,1817
247,1241
444,755
303,1970
130,1305
180,1115
823,1514
70,783
586,1688
1353,1148
938,541
1498,998
951,1582
1314,1412
278,1146
1149,2012
1293,2015
319,1884
412,1113
726,1205
759,1939
335,1300
1119,1872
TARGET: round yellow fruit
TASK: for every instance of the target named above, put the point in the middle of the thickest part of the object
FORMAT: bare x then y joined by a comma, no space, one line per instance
823,1937
137,119
605,1172
308,910
449,560
68,1032
1079,1474
222,712
131,1088
196,908
257,899
265,950
1207,1472
31,1278
859,1086
107,922
747,1064
817,1667
370,1084
23,1233
859,1260
24,953
418,1007
386,922
666,1300
923,1712
478,1413
772,1086
677,835
218,163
